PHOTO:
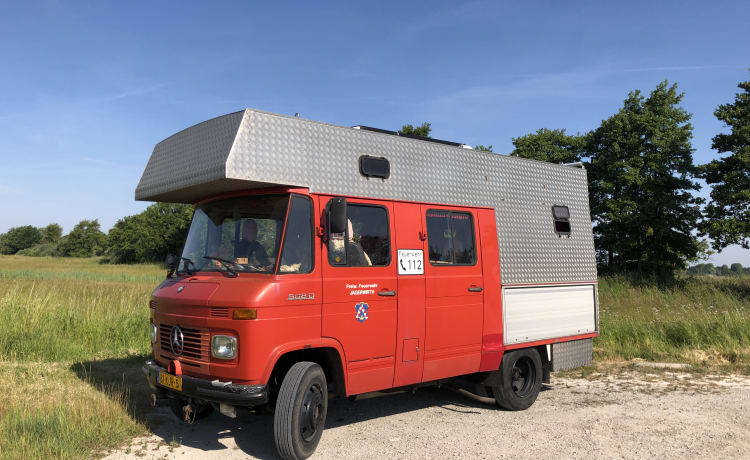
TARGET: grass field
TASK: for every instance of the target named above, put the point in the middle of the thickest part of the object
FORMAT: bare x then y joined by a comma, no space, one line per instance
73,335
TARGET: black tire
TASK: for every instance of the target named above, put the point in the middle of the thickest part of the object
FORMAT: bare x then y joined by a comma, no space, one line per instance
301,409
176,404
520,379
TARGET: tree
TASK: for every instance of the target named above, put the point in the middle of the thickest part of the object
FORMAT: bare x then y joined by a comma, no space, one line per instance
736,268
151,235
85,240
723,270
51,233
702,269
482,148
19,238
727,215
551,145
641,179
423,130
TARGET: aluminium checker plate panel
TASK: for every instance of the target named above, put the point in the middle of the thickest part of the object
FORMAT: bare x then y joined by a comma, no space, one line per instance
268,149
569,355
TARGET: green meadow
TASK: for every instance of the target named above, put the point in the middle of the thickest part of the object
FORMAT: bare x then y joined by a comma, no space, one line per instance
73,335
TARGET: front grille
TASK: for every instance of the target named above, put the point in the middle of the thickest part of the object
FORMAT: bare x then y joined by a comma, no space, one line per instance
196,343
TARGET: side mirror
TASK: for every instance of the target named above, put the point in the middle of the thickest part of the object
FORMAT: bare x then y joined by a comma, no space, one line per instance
337,225
337,216
171,261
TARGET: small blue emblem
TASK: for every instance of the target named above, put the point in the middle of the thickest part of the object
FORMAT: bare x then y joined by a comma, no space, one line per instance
361,308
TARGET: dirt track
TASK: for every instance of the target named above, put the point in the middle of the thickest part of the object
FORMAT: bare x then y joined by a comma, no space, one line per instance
669,415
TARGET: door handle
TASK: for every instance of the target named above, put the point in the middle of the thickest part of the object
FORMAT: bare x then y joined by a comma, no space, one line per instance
386,293
473,288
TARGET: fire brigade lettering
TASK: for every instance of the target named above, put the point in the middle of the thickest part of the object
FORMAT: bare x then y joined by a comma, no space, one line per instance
361,289
361,309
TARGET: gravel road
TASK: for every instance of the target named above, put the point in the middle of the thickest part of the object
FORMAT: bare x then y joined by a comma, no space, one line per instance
627,415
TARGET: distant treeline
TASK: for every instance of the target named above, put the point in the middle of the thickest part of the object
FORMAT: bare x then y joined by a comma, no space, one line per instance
646,215
145,237
721,270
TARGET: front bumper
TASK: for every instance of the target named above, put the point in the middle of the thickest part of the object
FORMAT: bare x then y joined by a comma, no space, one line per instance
208,390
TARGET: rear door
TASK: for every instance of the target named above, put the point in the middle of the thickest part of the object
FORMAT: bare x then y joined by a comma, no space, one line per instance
454,292
360,294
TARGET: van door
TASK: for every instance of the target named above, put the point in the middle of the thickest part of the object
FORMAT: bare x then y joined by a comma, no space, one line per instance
410,260
454,297
360,294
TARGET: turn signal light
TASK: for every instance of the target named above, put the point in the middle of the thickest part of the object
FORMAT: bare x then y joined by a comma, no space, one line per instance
244,313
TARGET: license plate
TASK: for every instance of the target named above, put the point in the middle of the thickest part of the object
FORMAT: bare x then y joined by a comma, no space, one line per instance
170,381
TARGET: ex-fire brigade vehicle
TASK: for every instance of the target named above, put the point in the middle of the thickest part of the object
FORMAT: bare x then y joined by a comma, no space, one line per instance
328,261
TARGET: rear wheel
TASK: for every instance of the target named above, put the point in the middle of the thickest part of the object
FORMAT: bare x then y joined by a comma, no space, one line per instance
301,409
520,379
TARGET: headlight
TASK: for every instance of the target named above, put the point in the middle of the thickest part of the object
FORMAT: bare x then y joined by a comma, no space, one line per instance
223,346
154,332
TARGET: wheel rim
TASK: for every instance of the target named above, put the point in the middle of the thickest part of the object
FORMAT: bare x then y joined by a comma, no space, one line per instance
523,377
311,417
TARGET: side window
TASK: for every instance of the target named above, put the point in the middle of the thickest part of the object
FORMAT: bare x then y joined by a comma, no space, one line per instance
561,214
450,238
366,241
297,255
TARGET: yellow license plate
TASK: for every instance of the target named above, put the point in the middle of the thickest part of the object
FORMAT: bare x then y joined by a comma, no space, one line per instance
170,381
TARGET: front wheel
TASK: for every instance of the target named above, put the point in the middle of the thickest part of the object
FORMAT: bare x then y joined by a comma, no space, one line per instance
301,409
520,379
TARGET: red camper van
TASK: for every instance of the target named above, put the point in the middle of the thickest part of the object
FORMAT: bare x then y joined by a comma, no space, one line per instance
327,261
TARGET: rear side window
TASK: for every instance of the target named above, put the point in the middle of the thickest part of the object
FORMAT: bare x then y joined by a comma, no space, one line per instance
366,241
297,256
450,238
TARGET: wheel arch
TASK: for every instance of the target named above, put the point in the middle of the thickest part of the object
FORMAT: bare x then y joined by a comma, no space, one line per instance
327,356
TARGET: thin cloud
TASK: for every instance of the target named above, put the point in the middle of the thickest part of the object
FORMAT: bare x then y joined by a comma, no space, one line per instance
124,94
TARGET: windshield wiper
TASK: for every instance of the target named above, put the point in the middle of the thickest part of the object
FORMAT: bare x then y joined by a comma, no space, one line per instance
226,263
188,262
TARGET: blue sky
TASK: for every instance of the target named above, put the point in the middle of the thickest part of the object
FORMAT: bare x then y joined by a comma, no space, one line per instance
88,88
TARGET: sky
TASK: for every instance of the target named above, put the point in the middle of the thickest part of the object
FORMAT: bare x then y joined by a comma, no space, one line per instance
88,88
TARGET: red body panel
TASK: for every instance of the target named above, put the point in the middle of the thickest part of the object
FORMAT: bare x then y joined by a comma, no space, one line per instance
434,327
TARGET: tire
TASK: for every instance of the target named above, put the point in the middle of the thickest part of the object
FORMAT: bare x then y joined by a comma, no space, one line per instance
520,379
176,405
301,409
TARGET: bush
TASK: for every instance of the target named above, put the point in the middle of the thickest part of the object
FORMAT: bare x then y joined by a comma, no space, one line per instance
18,238
149,236
85,240
40,250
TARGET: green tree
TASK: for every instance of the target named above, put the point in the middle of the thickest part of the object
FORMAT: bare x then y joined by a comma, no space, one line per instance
702,269
151,235
641,182
423,130
85,240
723,270
736,268
551,145
483,148
19,238
727,215
51,233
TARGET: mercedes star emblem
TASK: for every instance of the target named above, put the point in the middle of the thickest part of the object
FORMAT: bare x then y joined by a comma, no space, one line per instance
176,341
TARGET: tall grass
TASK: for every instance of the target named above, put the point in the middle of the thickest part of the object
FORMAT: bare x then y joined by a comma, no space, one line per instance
699,320
67,328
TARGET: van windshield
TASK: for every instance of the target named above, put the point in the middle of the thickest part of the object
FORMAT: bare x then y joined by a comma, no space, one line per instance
235,235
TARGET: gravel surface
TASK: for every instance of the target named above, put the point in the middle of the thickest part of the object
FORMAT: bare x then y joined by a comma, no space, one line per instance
627,415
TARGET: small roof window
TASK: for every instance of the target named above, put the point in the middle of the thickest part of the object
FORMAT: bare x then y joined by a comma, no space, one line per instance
561,215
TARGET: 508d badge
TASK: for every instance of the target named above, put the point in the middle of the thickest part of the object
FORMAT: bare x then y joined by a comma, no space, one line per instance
303,296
